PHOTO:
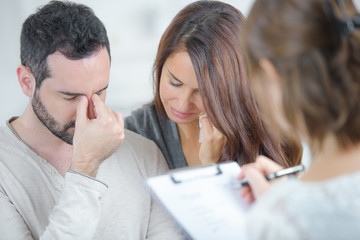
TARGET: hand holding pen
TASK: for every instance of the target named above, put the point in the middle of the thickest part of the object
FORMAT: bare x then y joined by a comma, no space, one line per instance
260,175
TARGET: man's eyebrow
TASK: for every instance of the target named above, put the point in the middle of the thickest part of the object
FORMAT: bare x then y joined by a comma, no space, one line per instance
77,94
173,76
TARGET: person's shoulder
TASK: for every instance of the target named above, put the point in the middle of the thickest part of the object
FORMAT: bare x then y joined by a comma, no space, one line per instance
4,129
5,132
6,140
144,152
145,110
139,145
142,115
135,139
144,121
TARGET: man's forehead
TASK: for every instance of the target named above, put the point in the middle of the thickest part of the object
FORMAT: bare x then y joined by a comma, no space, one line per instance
75,76
99,58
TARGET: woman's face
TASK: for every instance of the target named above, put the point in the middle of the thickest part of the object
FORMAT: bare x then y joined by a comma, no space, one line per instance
179,90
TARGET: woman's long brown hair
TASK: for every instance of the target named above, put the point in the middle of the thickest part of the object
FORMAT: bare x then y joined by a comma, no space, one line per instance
209,31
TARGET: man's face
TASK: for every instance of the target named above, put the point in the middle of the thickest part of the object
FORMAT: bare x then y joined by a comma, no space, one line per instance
55,102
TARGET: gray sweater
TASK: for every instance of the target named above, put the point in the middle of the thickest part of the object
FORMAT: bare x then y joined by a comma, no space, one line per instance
159,128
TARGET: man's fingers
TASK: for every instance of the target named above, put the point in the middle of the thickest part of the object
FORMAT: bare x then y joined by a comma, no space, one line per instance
120,120
81,111
99,106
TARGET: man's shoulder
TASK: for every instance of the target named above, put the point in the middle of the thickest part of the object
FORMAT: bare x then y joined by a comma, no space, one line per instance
5,133
142,151
14,153
135,139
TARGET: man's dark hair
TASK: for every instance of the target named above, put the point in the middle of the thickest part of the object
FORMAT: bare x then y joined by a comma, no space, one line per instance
70,28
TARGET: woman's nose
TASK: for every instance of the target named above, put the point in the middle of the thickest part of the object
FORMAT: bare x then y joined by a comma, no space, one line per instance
184,101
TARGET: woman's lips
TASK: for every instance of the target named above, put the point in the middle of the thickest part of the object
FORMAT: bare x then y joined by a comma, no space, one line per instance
180,114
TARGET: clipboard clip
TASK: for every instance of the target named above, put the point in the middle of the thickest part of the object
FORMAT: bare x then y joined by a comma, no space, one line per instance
195,173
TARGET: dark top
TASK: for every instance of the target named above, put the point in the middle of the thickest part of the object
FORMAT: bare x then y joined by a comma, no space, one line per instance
159,128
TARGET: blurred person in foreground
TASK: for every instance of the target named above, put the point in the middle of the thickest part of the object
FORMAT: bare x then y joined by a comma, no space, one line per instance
304,60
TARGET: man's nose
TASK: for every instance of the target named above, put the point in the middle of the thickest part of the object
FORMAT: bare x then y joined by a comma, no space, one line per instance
91,110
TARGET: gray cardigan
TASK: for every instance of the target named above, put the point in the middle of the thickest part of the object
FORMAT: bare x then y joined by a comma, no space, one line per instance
159,128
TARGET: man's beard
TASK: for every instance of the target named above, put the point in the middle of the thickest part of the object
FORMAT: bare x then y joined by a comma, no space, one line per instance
50,122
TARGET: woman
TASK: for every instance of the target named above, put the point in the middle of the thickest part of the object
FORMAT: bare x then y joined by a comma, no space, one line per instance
305,68
199,69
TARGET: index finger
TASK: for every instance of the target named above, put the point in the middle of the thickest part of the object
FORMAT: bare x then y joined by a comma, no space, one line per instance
81,110
257,182
266,165
243,169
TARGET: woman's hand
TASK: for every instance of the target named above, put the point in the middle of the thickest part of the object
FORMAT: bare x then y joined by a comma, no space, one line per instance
254,173
213,142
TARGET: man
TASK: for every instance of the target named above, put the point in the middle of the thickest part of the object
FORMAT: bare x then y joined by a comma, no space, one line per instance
66,171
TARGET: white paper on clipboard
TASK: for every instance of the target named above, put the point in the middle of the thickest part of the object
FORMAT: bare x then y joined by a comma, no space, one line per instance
205,201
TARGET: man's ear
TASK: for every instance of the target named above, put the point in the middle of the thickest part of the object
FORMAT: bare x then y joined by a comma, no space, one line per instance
26,80
270,71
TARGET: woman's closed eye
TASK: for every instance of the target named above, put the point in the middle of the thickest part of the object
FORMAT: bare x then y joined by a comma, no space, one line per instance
175,83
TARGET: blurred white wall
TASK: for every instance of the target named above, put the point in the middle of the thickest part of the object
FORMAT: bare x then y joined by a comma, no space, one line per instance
134,30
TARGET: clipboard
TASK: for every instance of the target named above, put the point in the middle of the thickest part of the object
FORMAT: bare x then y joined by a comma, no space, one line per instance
204,201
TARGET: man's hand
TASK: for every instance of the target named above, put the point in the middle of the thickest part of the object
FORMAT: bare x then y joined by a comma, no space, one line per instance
255,175
213,142
95,139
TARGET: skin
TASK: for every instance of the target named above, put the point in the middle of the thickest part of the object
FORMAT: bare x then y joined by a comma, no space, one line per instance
75,92
181,98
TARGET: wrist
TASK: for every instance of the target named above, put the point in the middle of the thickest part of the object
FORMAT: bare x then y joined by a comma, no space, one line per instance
87,168
208,160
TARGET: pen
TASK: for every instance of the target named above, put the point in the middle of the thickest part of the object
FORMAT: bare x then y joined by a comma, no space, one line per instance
280,173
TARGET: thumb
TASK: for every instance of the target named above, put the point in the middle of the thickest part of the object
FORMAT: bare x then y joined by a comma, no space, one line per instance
259,185
81,110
